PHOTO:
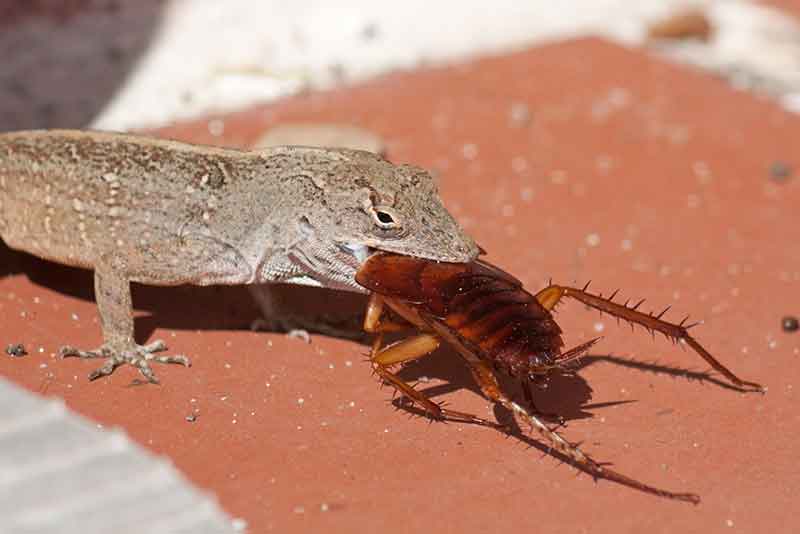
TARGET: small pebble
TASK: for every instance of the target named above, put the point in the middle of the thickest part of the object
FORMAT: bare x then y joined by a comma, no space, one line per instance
16,350
216,127
519,114
789,324
682,25
469,151
191,418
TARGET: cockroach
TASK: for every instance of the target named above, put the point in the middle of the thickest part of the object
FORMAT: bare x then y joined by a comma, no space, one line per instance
495,325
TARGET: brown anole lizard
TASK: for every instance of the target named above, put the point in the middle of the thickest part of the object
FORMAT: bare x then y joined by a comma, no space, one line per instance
160,212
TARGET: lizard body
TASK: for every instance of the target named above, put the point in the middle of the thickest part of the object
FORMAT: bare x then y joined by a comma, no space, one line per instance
161,212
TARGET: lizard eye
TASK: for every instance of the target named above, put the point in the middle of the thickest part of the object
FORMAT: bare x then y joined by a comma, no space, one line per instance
384,219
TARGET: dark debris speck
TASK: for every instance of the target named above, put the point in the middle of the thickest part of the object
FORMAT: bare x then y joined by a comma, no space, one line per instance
790,324
370,32
780,171
16,350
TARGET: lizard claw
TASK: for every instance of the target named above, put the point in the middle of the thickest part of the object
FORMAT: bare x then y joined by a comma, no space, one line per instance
138,356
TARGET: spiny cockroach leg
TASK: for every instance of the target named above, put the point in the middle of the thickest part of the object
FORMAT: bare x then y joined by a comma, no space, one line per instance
488,383
575,352
407,350
549,297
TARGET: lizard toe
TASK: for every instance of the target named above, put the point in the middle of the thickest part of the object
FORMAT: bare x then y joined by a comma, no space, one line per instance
176,358
73,352
156,346
138,356
111,364
144,369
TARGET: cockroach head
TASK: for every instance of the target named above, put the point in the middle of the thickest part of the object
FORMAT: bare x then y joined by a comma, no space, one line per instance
395,208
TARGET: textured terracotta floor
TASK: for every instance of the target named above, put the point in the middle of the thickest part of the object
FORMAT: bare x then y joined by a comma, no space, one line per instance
788,6
575,161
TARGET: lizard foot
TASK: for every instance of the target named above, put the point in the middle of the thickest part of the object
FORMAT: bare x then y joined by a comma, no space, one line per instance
138,356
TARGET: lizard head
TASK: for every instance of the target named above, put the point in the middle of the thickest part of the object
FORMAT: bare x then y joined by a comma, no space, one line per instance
372,204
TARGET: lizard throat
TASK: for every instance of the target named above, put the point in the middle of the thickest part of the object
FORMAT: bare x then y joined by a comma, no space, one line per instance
330,266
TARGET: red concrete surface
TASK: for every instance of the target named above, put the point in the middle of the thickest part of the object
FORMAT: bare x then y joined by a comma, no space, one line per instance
789,6
624,170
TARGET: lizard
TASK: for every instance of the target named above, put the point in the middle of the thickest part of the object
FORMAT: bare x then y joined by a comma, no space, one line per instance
162,212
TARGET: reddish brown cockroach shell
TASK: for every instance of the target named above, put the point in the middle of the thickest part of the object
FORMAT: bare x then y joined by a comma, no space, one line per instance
487,316
485,307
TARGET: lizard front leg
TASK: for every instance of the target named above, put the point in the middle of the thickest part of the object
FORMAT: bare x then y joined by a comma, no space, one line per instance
187,258
113,295
190,257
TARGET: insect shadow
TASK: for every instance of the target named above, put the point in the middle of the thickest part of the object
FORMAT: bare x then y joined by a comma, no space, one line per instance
567,395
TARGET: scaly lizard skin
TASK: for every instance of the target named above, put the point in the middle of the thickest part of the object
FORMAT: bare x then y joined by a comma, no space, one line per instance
159,212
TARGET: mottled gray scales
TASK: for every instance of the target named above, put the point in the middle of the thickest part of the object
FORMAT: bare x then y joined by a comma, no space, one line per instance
162,212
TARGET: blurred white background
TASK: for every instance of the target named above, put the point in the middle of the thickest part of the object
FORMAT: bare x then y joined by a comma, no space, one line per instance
212,56
120,65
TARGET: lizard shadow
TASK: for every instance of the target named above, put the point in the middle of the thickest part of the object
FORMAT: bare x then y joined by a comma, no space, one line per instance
11,261
71,281
79,284
187,307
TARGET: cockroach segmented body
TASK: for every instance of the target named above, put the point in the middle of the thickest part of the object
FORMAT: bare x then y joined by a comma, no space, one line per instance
494,324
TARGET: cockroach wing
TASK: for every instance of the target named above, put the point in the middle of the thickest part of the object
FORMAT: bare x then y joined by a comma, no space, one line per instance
479,308
421,281
393,275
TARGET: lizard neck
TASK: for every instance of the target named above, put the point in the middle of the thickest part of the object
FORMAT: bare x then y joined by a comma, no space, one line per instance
311,260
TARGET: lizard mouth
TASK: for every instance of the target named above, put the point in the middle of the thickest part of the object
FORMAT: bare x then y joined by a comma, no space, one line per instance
359,252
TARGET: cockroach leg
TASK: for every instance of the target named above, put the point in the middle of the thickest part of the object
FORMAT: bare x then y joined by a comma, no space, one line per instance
488,383
372,318
432,410
374,321
407,350
575,352
552,294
